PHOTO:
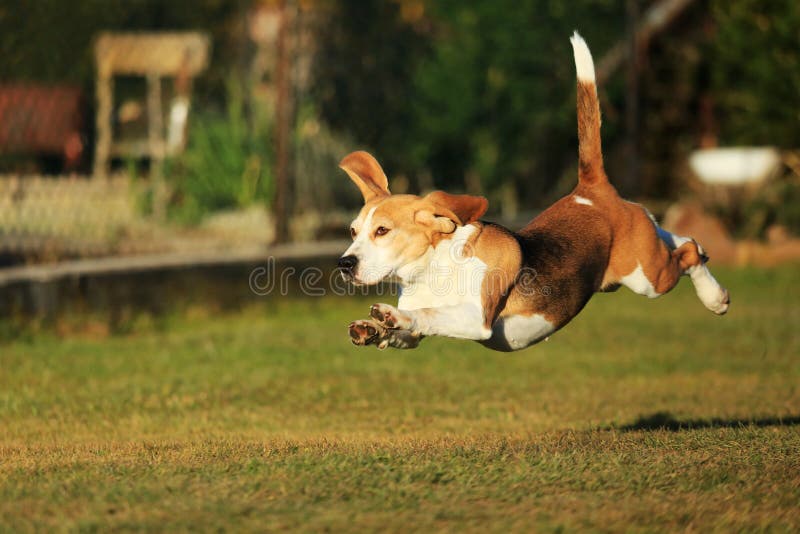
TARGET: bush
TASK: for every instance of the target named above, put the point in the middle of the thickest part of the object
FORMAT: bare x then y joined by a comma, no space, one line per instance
227,163
778,203
755,71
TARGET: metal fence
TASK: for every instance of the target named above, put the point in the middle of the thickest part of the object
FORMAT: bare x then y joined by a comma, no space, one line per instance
45,217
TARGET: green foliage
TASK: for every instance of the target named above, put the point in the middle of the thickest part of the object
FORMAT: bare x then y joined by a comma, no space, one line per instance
755,71
492,99
485,88
363,74
477,89
227,163
777,203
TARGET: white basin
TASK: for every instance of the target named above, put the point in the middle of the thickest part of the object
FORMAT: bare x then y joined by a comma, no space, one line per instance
734,166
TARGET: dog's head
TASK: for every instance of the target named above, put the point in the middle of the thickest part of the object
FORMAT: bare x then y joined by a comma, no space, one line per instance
393,231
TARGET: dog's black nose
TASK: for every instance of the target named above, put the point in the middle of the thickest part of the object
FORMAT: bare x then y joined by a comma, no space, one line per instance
347,264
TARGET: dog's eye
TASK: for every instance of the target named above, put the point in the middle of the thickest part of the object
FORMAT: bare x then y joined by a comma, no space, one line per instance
353,233
381,230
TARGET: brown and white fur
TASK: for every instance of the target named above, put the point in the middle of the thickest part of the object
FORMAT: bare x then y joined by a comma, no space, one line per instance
464,278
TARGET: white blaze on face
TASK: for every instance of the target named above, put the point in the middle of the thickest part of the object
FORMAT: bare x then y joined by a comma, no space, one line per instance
374,263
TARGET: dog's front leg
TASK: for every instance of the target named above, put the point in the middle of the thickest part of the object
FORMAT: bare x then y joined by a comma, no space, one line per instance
462,321
374,333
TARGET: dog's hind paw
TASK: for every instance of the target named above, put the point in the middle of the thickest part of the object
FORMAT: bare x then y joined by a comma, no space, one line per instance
721,303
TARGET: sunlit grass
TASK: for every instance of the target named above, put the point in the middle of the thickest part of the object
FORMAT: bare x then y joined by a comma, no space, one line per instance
270,418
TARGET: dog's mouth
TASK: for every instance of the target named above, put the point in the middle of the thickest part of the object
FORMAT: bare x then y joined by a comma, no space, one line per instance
350,278
366,278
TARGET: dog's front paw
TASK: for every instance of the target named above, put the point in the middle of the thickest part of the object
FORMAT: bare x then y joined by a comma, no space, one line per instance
366,332
391,317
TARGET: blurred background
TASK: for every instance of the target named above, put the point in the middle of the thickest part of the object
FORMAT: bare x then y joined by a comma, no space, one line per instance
154,135
170,202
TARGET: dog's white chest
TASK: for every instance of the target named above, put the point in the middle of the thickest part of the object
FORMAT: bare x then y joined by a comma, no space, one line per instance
445,277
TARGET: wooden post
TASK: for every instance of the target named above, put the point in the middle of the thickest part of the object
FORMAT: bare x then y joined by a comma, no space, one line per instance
155,137
105,93
631,185
284,122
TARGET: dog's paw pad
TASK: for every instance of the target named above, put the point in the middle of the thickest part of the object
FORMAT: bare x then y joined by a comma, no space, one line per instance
383,316
363,333
376,313
389,316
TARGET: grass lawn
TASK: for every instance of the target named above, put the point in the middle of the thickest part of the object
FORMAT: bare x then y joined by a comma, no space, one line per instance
641,415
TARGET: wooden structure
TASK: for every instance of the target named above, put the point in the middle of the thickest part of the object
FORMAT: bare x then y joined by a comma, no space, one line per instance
154,56
272,28
42,120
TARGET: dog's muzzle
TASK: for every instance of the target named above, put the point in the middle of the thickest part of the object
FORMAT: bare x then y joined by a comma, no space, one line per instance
347,266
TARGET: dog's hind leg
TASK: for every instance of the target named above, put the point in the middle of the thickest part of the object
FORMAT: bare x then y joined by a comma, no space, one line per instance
650,261
691,260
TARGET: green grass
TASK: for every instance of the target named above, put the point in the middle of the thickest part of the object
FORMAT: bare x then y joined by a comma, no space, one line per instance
642,415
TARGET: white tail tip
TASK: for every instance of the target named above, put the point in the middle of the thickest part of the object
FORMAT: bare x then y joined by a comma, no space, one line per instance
583,59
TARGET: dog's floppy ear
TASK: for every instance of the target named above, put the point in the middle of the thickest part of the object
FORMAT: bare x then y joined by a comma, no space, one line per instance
439,223
366,173
447,211
463,209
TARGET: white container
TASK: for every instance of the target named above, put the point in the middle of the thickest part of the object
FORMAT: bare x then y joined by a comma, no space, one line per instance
734,166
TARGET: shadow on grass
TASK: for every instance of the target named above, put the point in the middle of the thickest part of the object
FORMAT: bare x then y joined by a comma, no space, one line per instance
666,421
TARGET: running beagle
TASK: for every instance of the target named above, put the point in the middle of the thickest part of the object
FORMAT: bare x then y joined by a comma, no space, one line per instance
464,278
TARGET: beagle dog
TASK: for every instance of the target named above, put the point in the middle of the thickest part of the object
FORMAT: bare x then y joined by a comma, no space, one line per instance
465,278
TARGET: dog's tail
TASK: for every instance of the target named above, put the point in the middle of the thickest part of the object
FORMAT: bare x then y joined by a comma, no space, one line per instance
590,155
